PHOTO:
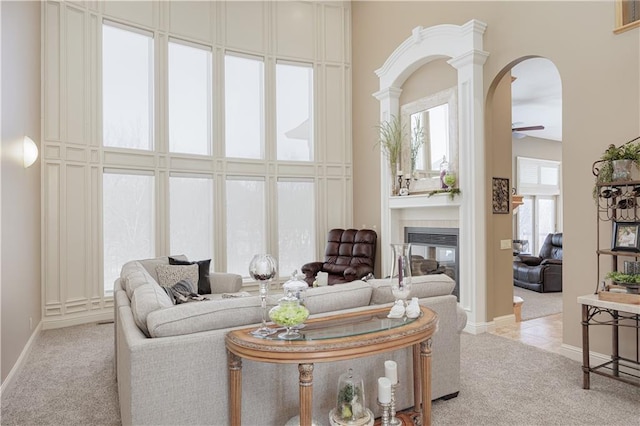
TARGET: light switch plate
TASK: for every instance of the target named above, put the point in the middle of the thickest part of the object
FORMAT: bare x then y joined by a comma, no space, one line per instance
505,244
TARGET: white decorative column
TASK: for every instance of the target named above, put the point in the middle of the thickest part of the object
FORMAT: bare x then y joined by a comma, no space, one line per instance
463,44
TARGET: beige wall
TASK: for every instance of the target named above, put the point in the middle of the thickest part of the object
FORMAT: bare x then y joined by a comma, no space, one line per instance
531,147
20,281
599,72
499,226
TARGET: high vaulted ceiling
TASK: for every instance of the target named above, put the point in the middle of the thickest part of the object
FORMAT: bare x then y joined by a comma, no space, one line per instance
536,98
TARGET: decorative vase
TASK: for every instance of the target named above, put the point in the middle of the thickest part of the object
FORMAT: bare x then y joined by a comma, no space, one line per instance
621,170
289,313
401,271
395,184
444,168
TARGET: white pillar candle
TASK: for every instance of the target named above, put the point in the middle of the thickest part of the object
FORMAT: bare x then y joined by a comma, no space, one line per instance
384,390
391,371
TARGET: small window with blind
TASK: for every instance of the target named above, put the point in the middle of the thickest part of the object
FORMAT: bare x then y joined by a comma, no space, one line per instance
539,177
627,15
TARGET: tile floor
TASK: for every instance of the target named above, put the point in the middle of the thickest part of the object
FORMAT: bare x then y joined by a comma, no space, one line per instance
544,332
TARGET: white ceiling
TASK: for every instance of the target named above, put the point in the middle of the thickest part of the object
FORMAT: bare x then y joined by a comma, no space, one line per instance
536,98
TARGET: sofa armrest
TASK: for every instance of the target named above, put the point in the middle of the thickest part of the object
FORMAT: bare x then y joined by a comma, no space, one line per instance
224,282
310,270
552,262
530,260
357,272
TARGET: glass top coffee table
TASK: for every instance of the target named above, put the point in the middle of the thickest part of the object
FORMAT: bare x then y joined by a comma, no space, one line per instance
335,338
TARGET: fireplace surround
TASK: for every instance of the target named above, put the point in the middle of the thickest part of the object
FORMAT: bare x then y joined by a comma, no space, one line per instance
439,244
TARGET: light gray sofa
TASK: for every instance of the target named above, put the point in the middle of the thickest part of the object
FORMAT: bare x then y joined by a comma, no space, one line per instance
171,360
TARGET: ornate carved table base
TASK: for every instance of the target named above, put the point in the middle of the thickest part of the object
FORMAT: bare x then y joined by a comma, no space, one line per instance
240,344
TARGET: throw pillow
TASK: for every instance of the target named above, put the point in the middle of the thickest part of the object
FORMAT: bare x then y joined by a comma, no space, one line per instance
168,275
204,283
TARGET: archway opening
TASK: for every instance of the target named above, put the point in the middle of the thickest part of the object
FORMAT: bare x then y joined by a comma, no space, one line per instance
524,143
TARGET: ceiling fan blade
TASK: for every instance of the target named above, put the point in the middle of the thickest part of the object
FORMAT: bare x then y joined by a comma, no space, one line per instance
524,129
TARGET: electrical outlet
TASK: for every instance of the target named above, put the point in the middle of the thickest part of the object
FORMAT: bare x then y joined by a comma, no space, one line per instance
30,324
505,244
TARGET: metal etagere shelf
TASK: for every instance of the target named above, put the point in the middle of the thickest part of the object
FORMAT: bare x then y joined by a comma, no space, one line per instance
617,202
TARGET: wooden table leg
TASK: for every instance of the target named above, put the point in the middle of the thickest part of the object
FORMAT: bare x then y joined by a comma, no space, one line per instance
425,361
306,393
417,374
234,363
585,347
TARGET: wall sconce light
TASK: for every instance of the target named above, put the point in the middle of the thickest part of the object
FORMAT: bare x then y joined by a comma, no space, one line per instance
30,151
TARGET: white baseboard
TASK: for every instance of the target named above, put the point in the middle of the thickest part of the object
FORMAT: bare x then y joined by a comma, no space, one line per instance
6,384
477,328
84,318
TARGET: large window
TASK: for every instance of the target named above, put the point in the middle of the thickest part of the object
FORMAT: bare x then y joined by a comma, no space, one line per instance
189,99
244,107
296,224
294,112
536,219
127,87
128,225
246,223
128,115
539,183
191,216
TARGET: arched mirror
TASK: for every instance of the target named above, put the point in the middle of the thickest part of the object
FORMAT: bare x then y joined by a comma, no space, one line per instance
432,125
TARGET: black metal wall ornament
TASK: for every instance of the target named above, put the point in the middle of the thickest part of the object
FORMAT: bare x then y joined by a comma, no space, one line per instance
500,195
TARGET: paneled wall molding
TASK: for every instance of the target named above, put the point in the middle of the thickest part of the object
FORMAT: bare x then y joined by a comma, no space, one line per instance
73,158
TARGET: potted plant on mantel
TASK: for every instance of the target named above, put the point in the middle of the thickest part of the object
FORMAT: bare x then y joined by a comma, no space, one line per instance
616,162
391,135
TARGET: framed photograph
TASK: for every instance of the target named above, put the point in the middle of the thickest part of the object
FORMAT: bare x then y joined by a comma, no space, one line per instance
625,236
500,195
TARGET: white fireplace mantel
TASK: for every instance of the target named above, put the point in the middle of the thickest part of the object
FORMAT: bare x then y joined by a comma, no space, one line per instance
463,45
422,200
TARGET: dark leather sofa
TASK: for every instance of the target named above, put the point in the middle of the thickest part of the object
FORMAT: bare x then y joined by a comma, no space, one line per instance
350,255
542,273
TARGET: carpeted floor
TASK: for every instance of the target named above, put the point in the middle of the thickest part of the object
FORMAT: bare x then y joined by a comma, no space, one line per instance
69,380
538,305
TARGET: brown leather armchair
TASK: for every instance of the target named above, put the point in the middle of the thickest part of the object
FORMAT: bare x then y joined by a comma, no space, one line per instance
541,273
350,255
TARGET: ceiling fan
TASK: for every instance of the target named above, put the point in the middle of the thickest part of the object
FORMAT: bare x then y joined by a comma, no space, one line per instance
516,131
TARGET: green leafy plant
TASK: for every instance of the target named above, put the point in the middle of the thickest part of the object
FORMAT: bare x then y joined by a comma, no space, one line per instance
620,277
391,134
451,191
603,168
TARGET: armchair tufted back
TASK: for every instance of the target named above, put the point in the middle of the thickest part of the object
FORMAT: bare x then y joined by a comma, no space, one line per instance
350,247
552,247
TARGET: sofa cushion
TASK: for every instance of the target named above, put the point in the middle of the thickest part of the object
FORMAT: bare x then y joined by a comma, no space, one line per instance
421,286
204,283
203,316
332,298
148,298
136,277
168,275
